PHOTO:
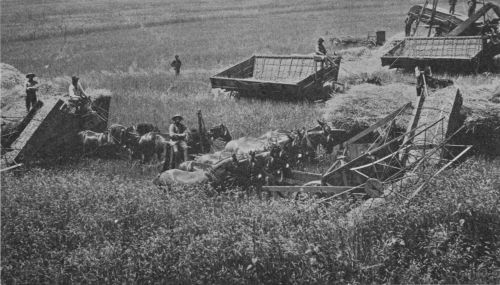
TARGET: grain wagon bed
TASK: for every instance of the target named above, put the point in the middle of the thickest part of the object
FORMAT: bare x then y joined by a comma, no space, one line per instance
460,52
280,76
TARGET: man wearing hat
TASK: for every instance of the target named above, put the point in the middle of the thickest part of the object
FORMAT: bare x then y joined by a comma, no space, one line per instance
31,88
76,93
176,64
320,48
178,136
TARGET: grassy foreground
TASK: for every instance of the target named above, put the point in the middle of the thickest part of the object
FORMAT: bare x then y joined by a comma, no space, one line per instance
102,221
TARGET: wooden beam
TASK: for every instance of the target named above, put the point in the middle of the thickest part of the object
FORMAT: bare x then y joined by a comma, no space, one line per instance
308,189
305,176
11,167
378,124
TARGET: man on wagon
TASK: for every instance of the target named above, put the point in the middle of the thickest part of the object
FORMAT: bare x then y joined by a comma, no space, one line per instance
178,136
31,88
76,93
320,48
472,7
453,3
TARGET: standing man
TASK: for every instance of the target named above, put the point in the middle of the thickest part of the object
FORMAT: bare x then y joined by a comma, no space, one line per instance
472,7
320,48
76,93
178,137
453,3
176,64
31,88
423,78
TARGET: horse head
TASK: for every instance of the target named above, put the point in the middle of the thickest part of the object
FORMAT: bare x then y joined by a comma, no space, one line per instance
327,140
222,169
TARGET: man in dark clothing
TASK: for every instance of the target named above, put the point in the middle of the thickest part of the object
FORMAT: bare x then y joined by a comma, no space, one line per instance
176,64
472,7
453,3
178,137
320,48
423,78
31,88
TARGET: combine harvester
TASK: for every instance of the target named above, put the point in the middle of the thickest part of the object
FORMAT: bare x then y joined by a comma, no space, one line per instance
285,77
452,43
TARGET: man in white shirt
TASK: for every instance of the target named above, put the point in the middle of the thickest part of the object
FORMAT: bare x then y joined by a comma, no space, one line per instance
76,93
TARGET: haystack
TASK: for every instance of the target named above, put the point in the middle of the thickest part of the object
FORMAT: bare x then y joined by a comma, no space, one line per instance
365,104
482,111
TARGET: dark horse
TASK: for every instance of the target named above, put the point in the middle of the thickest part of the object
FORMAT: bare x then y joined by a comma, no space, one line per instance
322,135
220,136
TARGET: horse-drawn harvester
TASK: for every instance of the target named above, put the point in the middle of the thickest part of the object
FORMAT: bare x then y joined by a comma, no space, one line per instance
372,168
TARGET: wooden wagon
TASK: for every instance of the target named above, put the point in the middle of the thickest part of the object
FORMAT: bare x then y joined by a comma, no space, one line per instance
285,77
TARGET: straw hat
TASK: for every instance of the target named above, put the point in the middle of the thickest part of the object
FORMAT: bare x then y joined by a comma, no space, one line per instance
177,116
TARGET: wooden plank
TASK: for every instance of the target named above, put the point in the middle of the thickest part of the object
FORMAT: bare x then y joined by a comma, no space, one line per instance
448,112
305,56
305,176
31,134
307,189
11,167
249,80
413,124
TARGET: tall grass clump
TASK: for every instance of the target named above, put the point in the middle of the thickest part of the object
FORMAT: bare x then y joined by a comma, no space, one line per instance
105,222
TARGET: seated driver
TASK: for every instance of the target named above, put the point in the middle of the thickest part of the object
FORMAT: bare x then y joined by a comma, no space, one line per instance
178,136
76,93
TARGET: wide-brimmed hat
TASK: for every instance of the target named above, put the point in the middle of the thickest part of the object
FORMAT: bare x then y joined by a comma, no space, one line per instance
177,116
74,77
321,40
30,75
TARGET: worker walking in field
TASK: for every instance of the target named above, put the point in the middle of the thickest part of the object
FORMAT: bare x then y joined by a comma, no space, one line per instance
453,3
76,94
31,88
178,138
320,48
176,64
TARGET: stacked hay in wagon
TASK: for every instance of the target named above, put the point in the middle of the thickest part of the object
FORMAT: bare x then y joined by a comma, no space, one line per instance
286,77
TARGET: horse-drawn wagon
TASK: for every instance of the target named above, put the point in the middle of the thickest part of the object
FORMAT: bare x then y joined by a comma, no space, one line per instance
286,77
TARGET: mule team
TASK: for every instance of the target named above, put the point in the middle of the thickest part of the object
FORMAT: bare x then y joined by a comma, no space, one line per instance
241,161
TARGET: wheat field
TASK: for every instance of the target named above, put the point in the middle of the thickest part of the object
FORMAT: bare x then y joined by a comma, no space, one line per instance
103,221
